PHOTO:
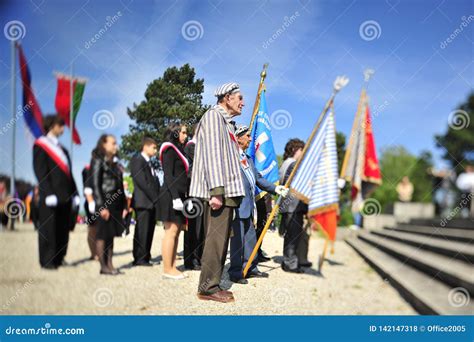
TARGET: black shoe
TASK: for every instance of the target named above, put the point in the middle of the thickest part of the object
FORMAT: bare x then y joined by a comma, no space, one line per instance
257,274
143,263
292,270
49,267
262,258
305,264
241,281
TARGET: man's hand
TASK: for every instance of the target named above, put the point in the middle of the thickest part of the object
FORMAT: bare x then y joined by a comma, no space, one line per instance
178,204
105,214
215,202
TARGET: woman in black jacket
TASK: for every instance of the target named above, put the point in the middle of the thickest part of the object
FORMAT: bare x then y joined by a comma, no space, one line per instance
109,197
172,196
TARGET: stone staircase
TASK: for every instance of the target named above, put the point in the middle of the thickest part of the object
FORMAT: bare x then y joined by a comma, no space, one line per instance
432,266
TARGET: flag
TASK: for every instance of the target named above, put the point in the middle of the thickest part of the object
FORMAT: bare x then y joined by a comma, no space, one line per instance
261,149
360,166
31,109
315,181
63,101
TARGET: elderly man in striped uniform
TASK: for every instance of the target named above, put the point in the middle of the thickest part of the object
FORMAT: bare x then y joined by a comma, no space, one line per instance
216,179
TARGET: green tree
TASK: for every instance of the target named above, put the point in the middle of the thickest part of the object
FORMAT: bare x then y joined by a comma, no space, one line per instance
395,163
176,96
458,141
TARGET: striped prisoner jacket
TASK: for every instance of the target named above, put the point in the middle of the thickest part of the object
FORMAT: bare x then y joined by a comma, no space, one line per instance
216,159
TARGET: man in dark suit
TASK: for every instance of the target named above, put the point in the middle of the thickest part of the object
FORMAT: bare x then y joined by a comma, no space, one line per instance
145,197
58,193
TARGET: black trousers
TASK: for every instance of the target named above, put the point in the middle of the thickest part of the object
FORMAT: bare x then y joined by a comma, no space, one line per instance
218,227
143,236
293,224
194,241
53,234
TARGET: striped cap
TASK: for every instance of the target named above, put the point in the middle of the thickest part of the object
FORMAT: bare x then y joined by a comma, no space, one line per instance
227,88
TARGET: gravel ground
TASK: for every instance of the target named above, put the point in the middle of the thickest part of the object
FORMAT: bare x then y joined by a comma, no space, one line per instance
347,284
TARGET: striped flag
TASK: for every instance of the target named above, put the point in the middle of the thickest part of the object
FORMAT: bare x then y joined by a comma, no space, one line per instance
63,101
315,182
261,149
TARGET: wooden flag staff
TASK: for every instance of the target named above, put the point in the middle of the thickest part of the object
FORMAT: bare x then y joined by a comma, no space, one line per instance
339,83
263,74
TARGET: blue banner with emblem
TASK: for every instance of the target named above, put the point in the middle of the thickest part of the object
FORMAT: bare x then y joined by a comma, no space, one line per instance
261,148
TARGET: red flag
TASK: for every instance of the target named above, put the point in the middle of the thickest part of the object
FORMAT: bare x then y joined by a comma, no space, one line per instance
63,104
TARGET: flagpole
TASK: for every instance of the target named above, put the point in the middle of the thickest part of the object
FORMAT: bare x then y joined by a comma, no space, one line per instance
263,74
71,108
13,106
292,174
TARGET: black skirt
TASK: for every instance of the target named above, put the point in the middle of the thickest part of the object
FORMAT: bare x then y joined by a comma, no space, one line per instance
114,226
165,208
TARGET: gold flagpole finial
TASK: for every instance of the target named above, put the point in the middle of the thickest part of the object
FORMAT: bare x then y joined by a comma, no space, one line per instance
263,74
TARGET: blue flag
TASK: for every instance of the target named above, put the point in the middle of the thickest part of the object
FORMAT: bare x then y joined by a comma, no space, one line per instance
261,148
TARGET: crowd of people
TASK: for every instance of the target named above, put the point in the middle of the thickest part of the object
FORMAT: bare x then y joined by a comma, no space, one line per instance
204,186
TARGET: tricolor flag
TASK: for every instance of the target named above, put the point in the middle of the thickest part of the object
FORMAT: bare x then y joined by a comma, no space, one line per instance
63,101
360,166
31,109
261,148
315,181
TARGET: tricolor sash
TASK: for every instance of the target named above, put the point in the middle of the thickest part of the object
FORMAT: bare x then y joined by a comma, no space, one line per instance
55,152
165,146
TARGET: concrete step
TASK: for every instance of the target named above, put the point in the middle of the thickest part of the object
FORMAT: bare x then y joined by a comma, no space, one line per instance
460,250
451,271
450,234
427,295
442,222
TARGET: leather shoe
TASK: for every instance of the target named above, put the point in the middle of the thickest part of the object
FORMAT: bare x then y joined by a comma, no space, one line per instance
305,264
257,274
292,270
143,263
241,281
220,296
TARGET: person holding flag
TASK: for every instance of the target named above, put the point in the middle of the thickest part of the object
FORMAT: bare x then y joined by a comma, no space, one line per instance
244,238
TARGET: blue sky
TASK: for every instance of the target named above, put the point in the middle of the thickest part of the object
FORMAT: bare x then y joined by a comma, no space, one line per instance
419,80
